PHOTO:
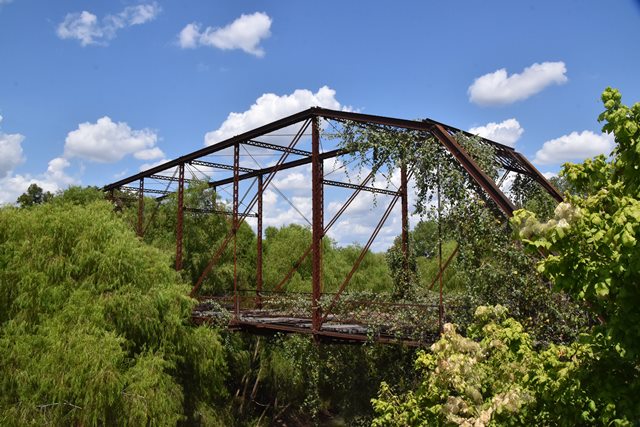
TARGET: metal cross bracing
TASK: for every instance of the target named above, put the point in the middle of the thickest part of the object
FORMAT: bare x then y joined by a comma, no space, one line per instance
333,316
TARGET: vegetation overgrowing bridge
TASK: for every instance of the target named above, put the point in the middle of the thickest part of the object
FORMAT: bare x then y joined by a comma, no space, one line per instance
332,316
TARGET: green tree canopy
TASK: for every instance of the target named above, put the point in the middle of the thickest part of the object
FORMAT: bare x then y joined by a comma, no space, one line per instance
34,195
94,325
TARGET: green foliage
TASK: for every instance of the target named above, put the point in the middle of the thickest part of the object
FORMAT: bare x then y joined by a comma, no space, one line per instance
404,272
494,376
94,324
77,195
203,234
498,271
34,195
530,195
591,244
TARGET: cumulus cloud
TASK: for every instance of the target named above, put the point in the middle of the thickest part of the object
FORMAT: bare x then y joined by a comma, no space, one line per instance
85,26
54,179
498,88
506,132
244,33
269,107
574,147
10,152
106,141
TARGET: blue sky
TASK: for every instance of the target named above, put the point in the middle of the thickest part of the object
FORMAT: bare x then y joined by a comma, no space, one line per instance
93,90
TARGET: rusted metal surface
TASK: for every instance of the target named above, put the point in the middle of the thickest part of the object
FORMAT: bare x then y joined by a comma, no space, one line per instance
404,195
333,220
317,229
363,252
544,182
472,168
140,225
216,256
315,321
236,224
259,246
359,187
180,219
444,267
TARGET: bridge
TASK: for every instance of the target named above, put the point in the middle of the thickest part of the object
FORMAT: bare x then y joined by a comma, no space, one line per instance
297,142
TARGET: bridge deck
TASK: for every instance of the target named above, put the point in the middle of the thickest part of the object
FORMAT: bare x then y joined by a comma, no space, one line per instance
334,330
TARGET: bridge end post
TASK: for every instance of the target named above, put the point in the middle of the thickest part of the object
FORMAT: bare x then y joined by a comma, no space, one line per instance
259,247
317,225
180,219
140,225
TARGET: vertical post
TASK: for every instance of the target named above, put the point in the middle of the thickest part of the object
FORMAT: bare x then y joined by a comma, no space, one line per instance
405,224
318,226
140,229
180,221
259,247
440,305
236,174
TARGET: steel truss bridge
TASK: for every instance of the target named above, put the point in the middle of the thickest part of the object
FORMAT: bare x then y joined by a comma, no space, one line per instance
336,316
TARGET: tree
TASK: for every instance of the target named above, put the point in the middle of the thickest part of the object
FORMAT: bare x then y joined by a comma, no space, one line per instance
495,376
94,325
34,195
591,244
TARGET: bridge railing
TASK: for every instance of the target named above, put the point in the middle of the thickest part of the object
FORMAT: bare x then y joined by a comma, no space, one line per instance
376,313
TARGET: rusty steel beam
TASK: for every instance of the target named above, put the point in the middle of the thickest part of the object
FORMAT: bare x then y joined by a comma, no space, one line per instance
317,228
363,252
444,267
544,182
139,228
333,220
275,147
219,166
259,247
472,168
426,125
288,165
405,218
357,187
236,198
146,190
250,206
216,211
180,219
170,178
228,143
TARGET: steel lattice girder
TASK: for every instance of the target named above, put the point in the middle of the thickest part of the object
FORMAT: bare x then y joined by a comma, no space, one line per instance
507,157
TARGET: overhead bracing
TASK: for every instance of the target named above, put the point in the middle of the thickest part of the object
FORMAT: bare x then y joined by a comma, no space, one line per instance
308,122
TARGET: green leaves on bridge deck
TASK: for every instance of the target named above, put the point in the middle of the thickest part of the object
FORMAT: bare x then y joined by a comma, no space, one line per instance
94,325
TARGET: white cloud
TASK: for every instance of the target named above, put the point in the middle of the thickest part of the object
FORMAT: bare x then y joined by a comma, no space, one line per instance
149,154
189,36
269,107
297,180
574,147
106,142
56,172
85,27
10,152
244,33
54,179
506,132
145,166
3,2
498,89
